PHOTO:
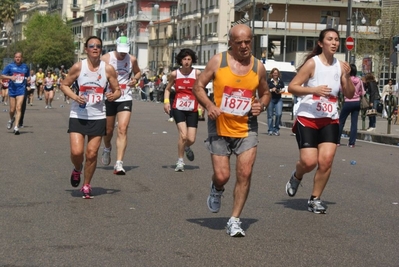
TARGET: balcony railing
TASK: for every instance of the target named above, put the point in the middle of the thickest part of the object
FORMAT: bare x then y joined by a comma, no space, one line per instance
302,28
75,7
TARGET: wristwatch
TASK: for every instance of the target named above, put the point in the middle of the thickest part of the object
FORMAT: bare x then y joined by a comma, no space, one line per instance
263,107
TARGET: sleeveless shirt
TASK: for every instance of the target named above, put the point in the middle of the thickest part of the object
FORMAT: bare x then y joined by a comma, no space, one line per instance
234,95
124,69
185,99
313,106
91,85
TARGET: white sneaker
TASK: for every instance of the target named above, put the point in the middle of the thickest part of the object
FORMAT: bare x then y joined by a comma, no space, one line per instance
370,129
214,199
10,123
118,168
234,229
46,107
171,120
179,166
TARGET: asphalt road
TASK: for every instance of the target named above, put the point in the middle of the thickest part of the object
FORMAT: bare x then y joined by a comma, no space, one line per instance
156,217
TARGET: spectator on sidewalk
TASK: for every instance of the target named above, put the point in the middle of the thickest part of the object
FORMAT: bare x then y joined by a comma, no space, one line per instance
374,98
351,106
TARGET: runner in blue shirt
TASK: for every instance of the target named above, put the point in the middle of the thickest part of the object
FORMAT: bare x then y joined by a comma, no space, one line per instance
18,74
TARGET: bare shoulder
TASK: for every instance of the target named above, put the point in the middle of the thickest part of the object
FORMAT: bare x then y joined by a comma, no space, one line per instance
261,69
173,74
75,69
105,57
133,58
109,68
214,62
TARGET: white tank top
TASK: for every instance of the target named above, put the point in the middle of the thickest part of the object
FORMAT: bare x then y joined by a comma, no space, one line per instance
123,68
313,106
91,84
33,81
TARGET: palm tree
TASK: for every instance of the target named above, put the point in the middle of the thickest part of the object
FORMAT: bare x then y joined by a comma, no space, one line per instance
8,11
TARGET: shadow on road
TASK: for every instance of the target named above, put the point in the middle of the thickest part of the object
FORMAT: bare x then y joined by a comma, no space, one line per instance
96,191
186,167
219,223
299,203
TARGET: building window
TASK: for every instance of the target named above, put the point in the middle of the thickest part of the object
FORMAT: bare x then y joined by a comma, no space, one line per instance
74,14
310,44
325,14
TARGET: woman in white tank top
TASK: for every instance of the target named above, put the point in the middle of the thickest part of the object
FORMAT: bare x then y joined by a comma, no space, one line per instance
317,83
87,116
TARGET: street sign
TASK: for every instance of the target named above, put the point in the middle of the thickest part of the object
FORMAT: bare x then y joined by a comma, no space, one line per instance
350,43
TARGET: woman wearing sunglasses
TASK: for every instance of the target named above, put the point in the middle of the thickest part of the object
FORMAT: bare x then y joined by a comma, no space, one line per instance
87,116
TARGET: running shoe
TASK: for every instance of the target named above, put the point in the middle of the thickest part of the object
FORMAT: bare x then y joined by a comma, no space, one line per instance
86,190
189,154
234,229
270,133
16,131
292,186
171,120
46,107
214,199
10,123
118,168
276,133
106,156
75,178
316,206
179,166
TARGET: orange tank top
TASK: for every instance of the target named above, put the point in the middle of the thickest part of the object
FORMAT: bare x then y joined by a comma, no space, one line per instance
234,95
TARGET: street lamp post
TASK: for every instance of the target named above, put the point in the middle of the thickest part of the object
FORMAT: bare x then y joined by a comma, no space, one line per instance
269,10
117,31
348,27
156,6
363,21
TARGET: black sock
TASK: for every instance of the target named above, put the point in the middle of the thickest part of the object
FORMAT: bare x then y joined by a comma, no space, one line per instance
313,197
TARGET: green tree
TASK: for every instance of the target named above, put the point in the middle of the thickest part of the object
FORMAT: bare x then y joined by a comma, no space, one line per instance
380,48
8,11
49,41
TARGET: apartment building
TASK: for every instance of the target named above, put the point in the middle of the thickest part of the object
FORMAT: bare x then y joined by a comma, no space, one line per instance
67,9
111,19
290,28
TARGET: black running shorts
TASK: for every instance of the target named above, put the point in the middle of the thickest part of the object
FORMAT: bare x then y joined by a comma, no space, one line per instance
112,108
88,127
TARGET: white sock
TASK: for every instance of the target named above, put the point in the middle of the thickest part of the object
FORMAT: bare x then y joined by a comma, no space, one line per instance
232,218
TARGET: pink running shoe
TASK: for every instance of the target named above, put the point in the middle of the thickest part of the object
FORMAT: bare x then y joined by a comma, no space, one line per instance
86,190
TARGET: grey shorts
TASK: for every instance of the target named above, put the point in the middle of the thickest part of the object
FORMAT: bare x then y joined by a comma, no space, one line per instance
225,146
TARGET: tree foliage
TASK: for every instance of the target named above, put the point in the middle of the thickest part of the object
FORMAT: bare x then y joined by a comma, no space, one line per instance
49,41
387,21
8,11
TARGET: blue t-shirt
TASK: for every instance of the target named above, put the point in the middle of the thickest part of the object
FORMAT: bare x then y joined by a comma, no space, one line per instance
22,73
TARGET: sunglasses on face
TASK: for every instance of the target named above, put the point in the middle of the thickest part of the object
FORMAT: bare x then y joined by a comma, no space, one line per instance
92,46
